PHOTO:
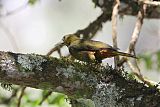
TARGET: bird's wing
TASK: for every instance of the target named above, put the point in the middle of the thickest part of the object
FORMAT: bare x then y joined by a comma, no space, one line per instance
90,45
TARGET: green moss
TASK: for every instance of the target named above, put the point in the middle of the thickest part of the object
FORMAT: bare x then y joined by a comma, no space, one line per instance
45,85
82,102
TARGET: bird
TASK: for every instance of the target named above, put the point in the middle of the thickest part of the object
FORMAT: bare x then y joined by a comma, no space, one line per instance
91,50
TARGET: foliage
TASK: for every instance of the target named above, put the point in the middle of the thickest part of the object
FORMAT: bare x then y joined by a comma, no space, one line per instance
32,2
151,60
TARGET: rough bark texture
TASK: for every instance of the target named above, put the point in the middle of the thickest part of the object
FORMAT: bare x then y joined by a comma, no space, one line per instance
105,86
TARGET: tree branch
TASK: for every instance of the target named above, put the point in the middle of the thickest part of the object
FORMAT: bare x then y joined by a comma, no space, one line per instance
114,29
14,11
20,97
103,85
149,2
90,31
135,35
129,7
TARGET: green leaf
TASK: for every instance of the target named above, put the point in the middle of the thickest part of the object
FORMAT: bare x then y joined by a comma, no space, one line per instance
32,2
148,60
158,60
81,102
57,98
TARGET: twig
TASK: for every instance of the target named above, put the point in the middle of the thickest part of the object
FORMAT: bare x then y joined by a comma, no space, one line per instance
45,97
57,47
114,29
130,7
137,30
20,97
135,35
90,31
148,2
140,76
14,11
135,69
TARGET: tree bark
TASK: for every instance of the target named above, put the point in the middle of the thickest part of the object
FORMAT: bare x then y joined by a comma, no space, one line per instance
105,86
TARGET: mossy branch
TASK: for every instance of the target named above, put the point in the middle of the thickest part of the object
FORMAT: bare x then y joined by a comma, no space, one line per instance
103,85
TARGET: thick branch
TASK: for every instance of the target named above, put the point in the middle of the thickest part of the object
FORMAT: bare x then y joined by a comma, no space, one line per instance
104,85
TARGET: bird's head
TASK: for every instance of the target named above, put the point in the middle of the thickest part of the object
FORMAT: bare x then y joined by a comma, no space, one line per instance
68,39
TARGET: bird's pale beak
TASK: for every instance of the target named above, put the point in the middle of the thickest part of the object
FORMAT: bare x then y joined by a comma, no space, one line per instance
62,42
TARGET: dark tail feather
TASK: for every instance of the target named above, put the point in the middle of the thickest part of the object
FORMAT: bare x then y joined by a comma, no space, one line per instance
125,54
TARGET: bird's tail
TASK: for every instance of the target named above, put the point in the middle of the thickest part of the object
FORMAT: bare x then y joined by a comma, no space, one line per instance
124,54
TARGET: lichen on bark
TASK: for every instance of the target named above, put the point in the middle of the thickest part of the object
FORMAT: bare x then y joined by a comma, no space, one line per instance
103,85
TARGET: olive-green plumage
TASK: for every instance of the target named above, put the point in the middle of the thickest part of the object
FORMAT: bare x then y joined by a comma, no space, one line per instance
89,50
